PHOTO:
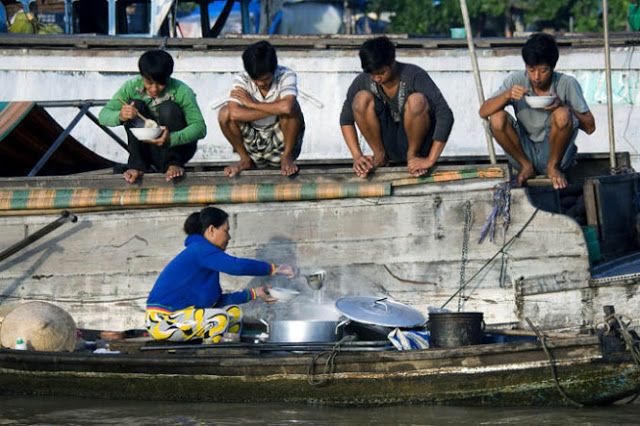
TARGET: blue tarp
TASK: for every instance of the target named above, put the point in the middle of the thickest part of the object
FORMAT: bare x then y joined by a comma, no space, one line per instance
3,19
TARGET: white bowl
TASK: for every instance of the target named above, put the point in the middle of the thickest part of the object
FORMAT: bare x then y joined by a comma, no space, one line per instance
539,101
146,133
283,294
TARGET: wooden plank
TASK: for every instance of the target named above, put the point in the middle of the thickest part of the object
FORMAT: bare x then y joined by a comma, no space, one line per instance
591,204
333,42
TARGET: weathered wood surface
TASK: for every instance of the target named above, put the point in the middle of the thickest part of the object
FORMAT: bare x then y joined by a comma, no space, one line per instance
317,42
506,374
407,247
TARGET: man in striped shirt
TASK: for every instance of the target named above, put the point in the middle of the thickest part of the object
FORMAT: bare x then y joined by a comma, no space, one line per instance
263,120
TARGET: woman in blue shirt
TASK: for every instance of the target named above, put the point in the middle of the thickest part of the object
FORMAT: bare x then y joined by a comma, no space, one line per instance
187,301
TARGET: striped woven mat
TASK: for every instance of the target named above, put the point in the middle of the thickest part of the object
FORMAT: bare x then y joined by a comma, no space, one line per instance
43,199
205,194
11,113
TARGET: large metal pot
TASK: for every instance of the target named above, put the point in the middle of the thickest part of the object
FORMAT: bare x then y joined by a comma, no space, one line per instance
304,331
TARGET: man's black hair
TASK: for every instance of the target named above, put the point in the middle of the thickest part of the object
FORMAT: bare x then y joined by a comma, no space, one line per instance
156,65
540,49
260,59
377,53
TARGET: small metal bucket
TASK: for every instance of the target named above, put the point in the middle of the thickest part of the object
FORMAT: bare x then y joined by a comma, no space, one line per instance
453,329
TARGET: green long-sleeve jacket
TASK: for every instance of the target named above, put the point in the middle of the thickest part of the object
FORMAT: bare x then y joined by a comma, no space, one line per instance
176,90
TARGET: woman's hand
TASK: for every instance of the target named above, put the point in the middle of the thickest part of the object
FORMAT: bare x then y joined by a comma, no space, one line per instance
290,271
263,293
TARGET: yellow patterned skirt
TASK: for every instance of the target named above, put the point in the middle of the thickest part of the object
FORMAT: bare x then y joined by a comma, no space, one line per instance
208,324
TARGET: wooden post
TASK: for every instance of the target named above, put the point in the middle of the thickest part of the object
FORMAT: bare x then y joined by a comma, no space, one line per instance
476,75
607,62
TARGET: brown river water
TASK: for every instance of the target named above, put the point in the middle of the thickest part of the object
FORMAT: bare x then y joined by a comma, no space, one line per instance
58,411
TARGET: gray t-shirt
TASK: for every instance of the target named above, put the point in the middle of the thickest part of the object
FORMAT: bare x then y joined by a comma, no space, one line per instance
536,121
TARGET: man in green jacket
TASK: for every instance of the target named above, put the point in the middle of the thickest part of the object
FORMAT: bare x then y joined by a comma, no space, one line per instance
169,102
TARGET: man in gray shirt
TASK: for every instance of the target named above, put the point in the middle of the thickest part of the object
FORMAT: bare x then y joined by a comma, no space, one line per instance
399,110
539,141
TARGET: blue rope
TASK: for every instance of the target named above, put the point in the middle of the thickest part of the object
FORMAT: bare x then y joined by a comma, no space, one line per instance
501,207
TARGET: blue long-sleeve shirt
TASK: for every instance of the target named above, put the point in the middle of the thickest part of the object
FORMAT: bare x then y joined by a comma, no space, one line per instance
192,278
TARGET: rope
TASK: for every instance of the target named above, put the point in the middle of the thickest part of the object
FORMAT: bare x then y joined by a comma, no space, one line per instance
329,364
623,328
501,206
632,344
500,250
543,341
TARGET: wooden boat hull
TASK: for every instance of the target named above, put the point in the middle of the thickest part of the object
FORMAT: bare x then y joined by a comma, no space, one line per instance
407,246
498,374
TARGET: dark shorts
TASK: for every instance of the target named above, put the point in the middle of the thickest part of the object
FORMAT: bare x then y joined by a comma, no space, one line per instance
394,137
538,152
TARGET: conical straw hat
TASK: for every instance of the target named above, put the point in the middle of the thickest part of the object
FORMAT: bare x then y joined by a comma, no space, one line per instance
42,326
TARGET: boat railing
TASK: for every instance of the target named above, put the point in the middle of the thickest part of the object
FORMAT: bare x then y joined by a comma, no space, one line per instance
65,217
84,106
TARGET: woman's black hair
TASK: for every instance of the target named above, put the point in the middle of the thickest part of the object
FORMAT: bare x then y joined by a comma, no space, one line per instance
156,65
377,53
198,222
540,49
260,59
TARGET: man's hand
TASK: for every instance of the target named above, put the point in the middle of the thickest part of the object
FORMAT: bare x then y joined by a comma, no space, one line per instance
243,96
164,138
517,92
128,112
363,165
557,103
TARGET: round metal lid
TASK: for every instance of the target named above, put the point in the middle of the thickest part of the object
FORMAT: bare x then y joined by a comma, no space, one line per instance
380,311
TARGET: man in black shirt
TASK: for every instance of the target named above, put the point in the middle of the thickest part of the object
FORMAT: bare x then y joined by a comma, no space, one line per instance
399,110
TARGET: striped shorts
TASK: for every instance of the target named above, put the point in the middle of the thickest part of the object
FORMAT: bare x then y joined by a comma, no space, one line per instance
208,324
265,146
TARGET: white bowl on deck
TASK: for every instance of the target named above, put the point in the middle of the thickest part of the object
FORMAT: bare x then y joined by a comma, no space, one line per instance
539,101
146,133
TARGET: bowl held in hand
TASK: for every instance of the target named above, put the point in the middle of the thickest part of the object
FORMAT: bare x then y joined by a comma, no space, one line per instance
283,294
539,101
146,133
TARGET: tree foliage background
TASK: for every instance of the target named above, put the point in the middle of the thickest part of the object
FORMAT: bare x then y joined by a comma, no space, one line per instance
498,17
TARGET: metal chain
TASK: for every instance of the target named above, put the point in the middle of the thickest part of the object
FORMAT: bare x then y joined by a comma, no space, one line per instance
465,252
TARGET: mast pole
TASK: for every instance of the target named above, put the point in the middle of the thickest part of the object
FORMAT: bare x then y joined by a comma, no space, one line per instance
476,75
607,62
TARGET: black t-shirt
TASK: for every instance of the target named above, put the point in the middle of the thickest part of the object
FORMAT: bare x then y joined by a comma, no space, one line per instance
412,79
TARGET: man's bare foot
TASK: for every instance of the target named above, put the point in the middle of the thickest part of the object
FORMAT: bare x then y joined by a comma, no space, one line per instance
235,169
419,166
174,172
526,172
288,167
557,178
132,175
379,160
